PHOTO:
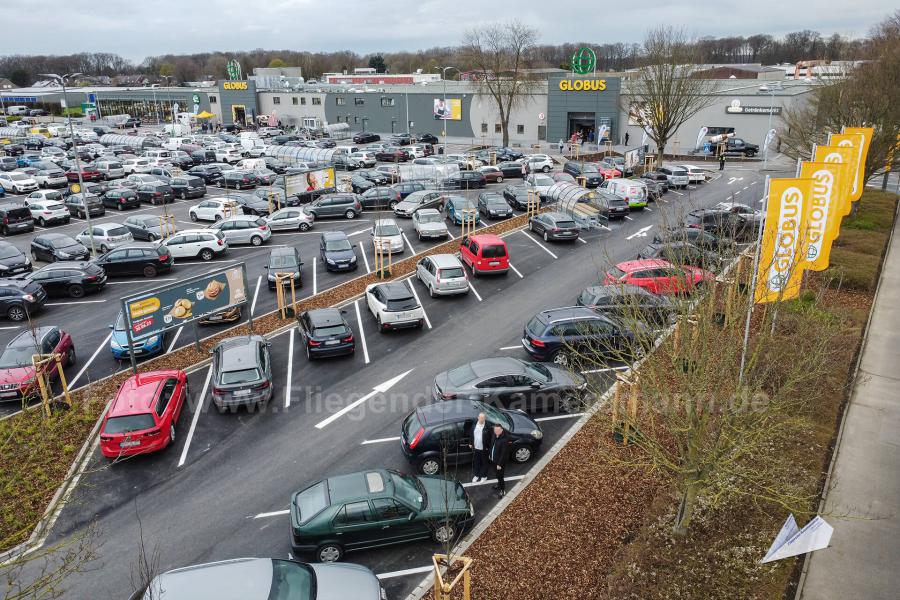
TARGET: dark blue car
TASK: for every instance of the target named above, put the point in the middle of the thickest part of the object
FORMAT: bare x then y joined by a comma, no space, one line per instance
562,334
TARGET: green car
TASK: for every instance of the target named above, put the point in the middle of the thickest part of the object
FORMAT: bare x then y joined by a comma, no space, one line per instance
376,508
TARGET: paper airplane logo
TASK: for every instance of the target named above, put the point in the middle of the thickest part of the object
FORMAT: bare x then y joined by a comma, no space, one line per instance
792,541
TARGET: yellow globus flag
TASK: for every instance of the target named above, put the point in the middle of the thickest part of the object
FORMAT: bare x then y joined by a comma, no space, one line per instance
782,251
846,157
867,133
856,141
823,218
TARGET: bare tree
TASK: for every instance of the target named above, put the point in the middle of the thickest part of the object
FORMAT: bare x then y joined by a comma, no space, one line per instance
48,568
499,54
664,95
145,566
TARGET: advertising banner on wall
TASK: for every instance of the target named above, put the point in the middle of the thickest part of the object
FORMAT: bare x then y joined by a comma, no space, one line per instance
451,110
153,312
317,180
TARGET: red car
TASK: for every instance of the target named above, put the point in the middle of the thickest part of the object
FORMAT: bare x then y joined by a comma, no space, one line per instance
608,172
491,174
16,371
87,174
484,253
658,276
143,415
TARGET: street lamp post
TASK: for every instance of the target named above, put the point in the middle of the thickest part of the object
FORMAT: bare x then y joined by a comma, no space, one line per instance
61,79
443,117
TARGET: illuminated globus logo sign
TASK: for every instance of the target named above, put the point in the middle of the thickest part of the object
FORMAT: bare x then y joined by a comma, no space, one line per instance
584,61
582,85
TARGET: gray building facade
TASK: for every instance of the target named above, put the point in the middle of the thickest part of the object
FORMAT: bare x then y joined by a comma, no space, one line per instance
237,102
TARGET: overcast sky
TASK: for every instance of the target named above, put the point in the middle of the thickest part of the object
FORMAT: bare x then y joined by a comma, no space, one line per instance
138,29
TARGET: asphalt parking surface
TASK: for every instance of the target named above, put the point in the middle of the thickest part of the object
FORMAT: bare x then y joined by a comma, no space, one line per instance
222,489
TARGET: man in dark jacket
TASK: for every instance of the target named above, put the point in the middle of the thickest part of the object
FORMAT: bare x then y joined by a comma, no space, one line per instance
480,443
498,456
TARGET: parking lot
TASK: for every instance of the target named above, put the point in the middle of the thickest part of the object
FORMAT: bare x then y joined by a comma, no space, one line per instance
223,488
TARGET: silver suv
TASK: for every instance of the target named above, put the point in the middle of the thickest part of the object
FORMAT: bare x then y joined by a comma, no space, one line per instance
443,275
242,372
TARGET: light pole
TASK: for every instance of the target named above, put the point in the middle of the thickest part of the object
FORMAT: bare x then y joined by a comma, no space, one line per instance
765,89
61,80
443,117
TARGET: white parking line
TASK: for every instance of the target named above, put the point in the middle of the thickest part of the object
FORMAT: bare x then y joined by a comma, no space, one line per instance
543,247
582,240
362,333
362,250
75,302
197,411
555,417
738,192
315,284
425,314
452,237
378,389
205,262
381,440
102,345
606,370
255,294
10,327
175,339
251,247
290,368
490,481
629,218
752,183
142,280
404,572
474,291
406,239
276,513
679,193
511,347
360,232
648,208
511,266
191,223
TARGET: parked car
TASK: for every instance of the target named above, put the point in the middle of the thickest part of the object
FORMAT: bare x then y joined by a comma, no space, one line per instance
681,253
586,171
210,174
391,154
491,174
205,244
138,258
244,229
394,306
404,189
540,183
283,261
46,212
628,303
723,223
634,192
380,198
88,173
429,224
738,209
375,176
17,182
50,177
214,209
325,332
700,238
188,187
106,236
157,192
554,226
457,208
484,253
17,372
510,170
492,205
238,180
121,198
122,350
675,176
110,169
335,205
253,205
442,274
15,218
336,251
418,200
539,162
658,276
366,137
464,180
12,260
20,297
428,431
292,218
427,138
695,174
241,372
51,247
516,195
386,234
660,178
147,228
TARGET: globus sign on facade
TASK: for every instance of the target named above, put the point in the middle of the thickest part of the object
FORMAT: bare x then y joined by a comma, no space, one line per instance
582,85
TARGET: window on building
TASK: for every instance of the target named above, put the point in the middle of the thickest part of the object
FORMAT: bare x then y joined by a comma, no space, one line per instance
213,100
387,101
359,101
276,99
316,101
498,128
303,100
484,128
542,132
356,119
295,101
520,130
340,101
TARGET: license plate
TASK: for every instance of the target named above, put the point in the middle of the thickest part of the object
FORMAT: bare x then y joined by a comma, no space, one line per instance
494,263
7,394
332,342
404,315
343,266
242,392
130,444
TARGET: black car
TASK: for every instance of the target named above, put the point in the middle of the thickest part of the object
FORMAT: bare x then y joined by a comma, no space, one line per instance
20,297
376,177
325,144
343,162
336,251
407,188
516,195
464,180
14,149
238,180
200,157
139,258
80,204
660,178
325,332
588,171
130,122
510,169
182,162
280,140
681,253
655,190
121,198
617,207
578,333
286,261
275,165
722,224
492,205
366,137
210,174
698,237
73,279
51,247
432,430
379,197
188,187
401,139
253,205
277,194
554,226
12,260
157,192
628,303
426,138
15,218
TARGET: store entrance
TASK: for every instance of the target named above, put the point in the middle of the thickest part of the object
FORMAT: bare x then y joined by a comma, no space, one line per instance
583,123
239,114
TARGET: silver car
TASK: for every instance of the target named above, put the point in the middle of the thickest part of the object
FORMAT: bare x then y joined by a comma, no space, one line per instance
429,224
244,229
385,232
266,579
106,236
443,275
242,372
292,218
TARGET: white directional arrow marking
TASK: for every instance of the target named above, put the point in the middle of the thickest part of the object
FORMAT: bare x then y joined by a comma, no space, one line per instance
733,179
642,232
378,389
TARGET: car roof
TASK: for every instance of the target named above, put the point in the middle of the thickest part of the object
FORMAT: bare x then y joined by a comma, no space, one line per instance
395,289
235,352
619,289
138,393
236,579
567,313
334,235
325,317
26,339
68,265
449,410
363,484
53,236
558,216
487,238
385,222
286,250
443,261
645,263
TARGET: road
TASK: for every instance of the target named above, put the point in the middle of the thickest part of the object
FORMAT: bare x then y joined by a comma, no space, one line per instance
222,490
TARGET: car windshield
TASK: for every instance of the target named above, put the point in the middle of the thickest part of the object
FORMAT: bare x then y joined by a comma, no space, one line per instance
282,261
310,501
616,272
291,581
496,251
407,303
461,375
408,488
337,245
538,371
8,252
430,218
239,376
18,356
117,231
385,229
129,423
495,416
452,272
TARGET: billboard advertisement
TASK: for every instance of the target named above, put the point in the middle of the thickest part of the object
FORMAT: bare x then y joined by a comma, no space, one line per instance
449,110
310,182
153,312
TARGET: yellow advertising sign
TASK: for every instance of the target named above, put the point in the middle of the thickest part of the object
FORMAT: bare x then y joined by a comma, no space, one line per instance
783,247
582,85
867,133
853,141
843,156
234,85
143,307
823,217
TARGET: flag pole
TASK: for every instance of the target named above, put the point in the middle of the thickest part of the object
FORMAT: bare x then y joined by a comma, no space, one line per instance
752,294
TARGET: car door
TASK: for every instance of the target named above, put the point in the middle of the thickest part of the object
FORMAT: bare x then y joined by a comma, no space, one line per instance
644,278
521,392
133,263
374,298
355,526
115,263
425,269
493,390
176,245
166,405
396,526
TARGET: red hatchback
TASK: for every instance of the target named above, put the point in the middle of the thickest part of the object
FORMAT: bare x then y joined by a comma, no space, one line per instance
143,415
16,371
484,253
658,276
87,174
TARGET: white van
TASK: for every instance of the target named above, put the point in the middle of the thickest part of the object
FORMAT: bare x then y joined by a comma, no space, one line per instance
174,143
252,164
348,149
155,153
17,110
631,191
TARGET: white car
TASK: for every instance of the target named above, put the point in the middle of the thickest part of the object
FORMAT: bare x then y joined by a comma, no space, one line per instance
214,209
540,182
695,174
414,151
106,236
204,244
54,195
386,233
365,158
539,162
136,165
45,212
228,155
51,178
429,224
443,275
17,182
394,305
142,178
51,152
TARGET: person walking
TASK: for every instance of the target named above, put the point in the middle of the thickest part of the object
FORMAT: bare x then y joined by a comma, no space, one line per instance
626,138
480,443
498,456
721,161
524,169
591,136
561,145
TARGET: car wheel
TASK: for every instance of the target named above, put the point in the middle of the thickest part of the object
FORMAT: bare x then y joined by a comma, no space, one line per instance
256,240
545,169
183,196
393,204
193,216
430,466
151,237
561,358
206,254
546,237
522,454
350,214
149,271
103,249
568,403
304,227
171,433
444,533
42,222
34,256
76,291
70,356
17,313
431,291
329,553
217,218
120,207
